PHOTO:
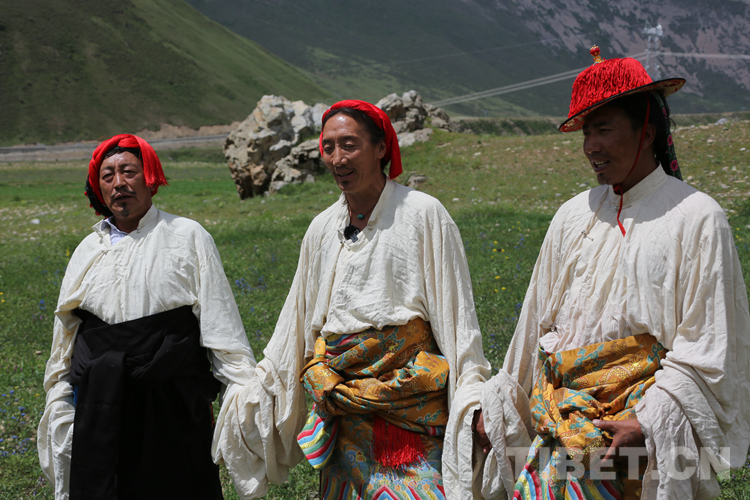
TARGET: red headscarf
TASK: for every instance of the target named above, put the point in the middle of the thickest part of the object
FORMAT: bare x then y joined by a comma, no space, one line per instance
151,165
377,115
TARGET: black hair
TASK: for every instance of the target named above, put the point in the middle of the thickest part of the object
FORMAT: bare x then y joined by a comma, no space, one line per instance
635,107
95,203
119,149
376,135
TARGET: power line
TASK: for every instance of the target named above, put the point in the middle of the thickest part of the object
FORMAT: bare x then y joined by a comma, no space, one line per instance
385,64
517,86
569,74
704,56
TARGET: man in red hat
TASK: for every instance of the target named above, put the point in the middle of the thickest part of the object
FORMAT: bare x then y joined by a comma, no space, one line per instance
379,328
146,334
633,339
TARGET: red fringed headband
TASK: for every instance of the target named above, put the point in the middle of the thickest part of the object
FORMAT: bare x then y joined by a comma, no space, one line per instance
610,79
381,120
151,165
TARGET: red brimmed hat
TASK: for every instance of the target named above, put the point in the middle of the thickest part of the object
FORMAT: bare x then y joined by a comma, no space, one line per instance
610,79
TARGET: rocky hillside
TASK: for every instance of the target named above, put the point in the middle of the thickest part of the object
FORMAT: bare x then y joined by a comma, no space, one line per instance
445,48
83,69
690,26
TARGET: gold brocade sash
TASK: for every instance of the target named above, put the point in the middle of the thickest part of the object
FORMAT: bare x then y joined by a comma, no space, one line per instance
602,381
397,373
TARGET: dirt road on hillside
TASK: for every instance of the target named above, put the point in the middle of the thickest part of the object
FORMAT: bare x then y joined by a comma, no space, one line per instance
83,150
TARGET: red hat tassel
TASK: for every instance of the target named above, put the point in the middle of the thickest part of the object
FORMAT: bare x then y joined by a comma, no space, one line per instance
617,188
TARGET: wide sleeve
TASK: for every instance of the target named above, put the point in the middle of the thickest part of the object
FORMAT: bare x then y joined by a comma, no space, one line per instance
505,403
452,316
263,407
521,359
55,430
706,370
507,420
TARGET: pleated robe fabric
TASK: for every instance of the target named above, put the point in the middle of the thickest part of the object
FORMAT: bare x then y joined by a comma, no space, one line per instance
408,263
675,275
166,263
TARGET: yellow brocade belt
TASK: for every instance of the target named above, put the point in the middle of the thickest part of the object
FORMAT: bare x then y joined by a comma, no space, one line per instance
397,373
602,381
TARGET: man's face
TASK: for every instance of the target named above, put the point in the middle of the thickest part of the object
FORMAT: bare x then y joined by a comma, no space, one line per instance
123,187
611,145
350,155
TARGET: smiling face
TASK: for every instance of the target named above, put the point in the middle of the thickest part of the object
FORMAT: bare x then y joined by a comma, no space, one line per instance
352,158
610,143
123,186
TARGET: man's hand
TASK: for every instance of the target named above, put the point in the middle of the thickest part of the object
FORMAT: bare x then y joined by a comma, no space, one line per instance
625,434
477,426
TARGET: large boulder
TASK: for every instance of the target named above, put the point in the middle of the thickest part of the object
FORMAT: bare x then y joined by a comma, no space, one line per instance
301,165
264,153
409,115
265,137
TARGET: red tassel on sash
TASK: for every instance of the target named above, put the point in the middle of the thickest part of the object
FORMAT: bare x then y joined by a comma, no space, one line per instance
394,446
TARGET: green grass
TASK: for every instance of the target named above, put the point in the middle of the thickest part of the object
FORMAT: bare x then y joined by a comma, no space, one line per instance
501,191
80,70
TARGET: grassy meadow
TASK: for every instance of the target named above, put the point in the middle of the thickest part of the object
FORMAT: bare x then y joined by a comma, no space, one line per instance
501,190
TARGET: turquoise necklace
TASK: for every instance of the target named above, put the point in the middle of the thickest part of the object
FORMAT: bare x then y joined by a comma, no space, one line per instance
362,216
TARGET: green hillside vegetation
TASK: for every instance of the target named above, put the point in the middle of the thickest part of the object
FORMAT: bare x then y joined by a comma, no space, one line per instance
501,190
75,70
448,48
377,48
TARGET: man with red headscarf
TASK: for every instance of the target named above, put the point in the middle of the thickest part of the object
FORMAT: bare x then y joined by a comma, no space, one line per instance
379,328
146,334
632,343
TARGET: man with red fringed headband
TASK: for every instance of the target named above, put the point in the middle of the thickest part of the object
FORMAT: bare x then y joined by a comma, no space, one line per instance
628,366
146,334
379,329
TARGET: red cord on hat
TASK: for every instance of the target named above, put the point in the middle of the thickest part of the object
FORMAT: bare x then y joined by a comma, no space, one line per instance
617,188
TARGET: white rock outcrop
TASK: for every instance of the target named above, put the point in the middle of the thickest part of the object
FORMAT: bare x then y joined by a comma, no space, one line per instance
274,127
409,115
264,152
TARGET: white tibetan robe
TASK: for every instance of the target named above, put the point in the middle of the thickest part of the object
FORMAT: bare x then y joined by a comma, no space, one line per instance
675,275
408,263
166,263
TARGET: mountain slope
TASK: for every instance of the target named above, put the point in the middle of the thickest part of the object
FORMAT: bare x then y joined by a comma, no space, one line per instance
445,48
72,70
368,49
690,26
